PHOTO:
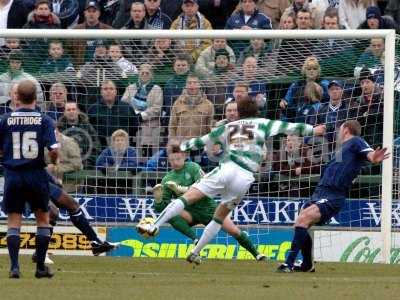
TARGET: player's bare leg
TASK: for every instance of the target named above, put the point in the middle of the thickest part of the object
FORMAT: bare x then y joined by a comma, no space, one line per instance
174,208
242,238
13,240
209,232
302,240
43,236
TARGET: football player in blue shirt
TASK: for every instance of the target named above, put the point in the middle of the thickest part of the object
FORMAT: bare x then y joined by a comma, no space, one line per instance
24,134
331,192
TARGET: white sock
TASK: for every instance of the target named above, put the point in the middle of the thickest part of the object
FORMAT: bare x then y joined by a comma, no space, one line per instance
172,210
209,233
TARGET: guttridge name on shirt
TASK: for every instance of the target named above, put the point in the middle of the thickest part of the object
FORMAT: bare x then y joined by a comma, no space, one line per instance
24,121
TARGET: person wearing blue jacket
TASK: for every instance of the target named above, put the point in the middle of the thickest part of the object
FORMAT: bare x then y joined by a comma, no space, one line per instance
119,156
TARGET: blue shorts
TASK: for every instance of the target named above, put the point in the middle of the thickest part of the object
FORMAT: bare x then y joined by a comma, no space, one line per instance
55,189
25,187
328,203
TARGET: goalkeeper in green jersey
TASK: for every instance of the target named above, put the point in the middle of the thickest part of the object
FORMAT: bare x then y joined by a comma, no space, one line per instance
243,146
175,183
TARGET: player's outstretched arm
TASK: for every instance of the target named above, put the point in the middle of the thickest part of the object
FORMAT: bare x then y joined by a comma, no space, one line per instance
378,155
200,142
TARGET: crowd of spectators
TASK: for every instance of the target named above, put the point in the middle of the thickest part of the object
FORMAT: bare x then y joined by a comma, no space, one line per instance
119,102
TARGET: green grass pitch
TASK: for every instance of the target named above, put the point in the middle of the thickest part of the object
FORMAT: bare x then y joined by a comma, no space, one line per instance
128,278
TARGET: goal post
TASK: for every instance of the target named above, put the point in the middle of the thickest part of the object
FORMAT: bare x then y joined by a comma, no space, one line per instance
264,208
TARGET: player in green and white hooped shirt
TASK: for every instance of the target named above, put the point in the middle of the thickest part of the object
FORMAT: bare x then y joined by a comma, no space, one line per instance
243,142
177,182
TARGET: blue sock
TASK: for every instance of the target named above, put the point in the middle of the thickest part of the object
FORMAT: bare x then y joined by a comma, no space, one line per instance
42,243
306,251
300,235
79,220
13,241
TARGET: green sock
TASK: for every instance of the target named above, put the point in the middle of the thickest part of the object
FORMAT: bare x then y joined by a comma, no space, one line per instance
246,243
182,226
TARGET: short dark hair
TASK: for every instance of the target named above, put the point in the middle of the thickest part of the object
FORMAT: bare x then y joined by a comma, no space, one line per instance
184,57
247,107
26,92
353,126
304,10
331,12
173,147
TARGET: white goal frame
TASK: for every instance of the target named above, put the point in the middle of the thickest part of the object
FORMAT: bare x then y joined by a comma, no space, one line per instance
388,35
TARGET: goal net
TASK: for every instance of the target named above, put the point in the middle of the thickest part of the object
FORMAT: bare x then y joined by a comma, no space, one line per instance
119,97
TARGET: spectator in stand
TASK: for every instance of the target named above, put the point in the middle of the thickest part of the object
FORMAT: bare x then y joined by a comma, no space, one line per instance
304,19
205,65
258,49
67,11
155,17
175,85
192,114
58,97
248,17
99,69
161,56
10,44
83,50
13,14
69,157
257,88
293,52
230,111
292,160
319,8
303,5
57,61
274,9
313,93
393,9
137,17
330,47
15,74
218,81
376,21
110,114
136,47
12,102
37,49
295,96
192,19
330,20
119,156
146,99
115,53
333,113
75,124
288,22
373,56
42,17
368,109
352,12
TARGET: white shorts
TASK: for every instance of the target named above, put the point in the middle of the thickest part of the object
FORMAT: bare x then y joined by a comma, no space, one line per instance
229,181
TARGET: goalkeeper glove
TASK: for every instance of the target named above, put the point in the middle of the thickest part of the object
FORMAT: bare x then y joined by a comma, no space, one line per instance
176,188
157,192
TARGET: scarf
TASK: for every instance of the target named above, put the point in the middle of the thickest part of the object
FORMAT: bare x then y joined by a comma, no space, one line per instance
139,101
